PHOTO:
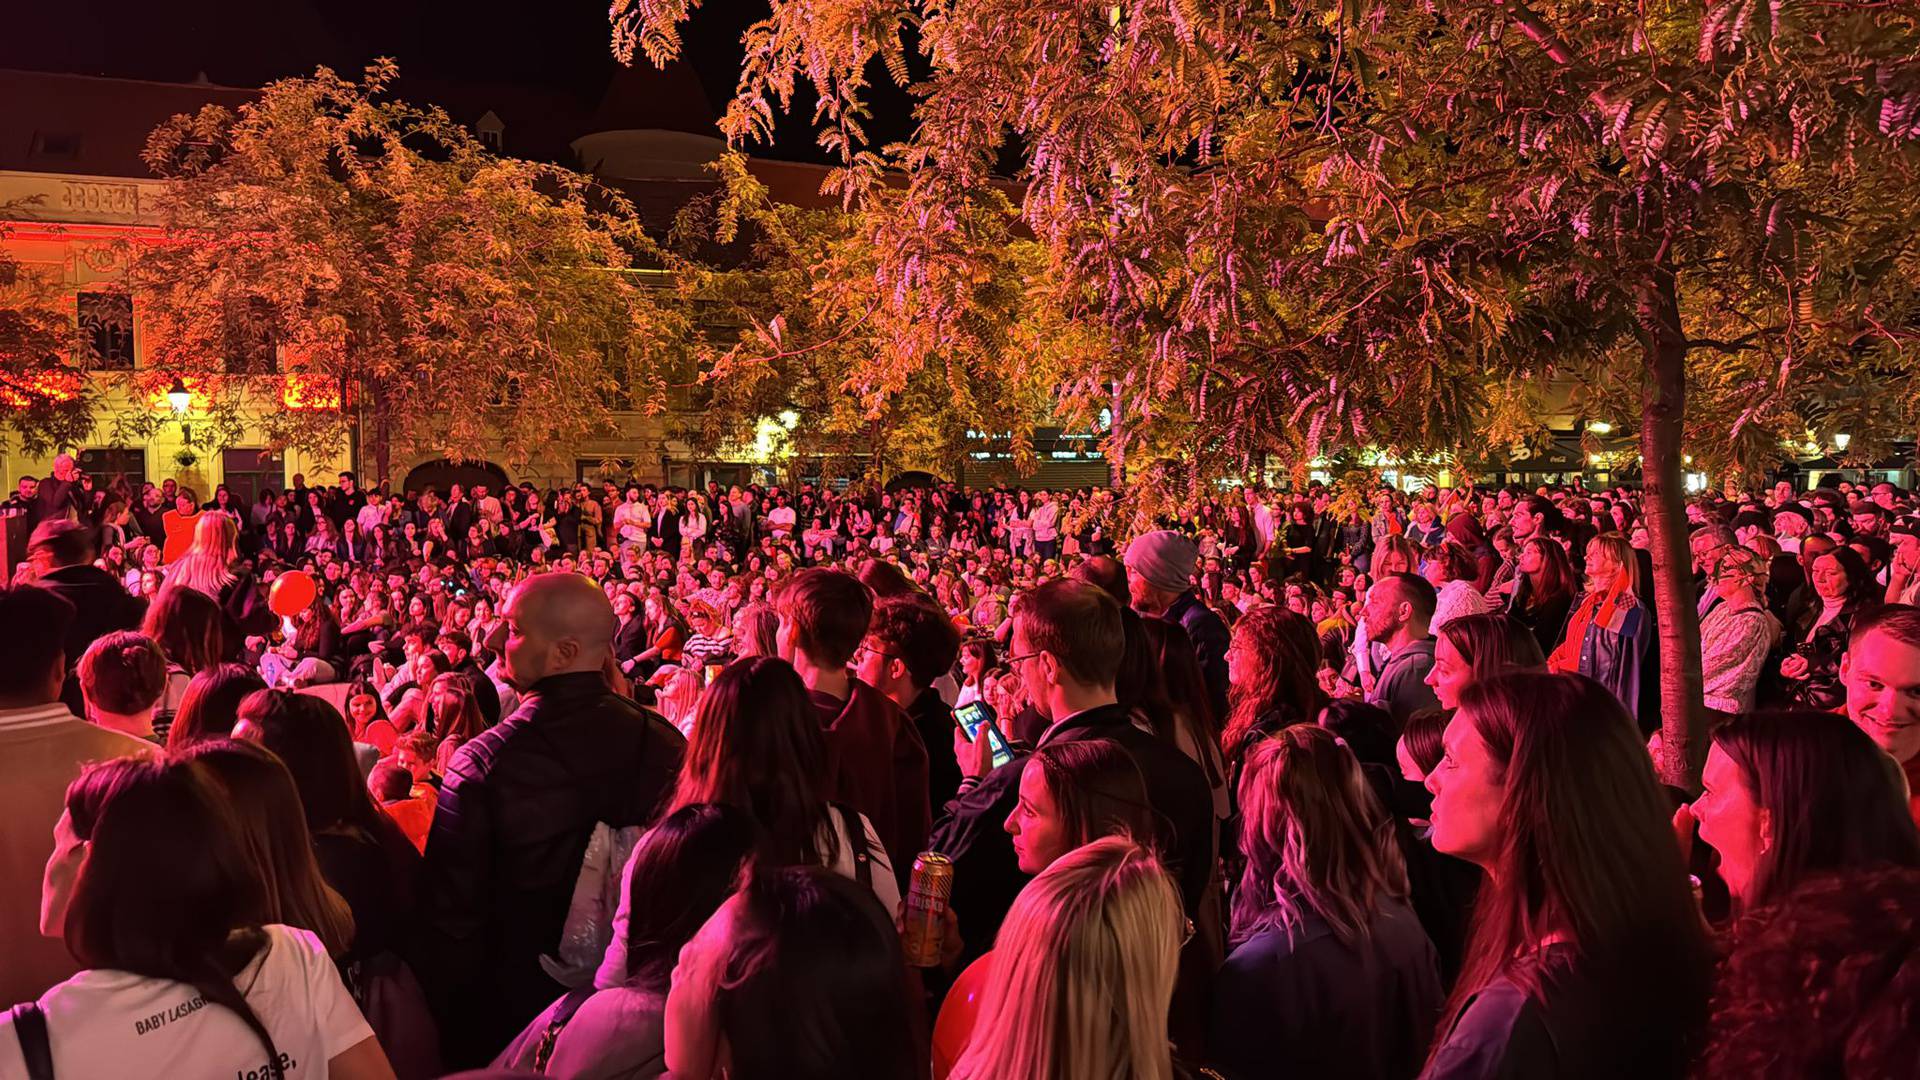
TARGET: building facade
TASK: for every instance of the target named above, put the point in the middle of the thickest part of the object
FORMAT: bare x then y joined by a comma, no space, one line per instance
75,197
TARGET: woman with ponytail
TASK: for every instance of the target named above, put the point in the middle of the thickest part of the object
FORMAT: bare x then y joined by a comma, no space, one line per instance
152,889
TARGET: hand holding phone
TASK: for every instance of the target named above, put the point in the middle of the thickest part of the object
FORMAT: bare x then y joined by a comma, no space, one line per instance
971,718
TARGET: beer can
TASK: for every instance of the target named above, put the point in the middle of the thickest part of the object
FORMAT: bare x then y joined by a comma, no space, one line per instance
922,928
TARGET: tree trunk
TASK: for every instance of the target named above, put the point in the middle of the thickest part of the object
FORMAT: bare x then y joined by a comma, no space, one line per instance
350,403
1662,417
1116,442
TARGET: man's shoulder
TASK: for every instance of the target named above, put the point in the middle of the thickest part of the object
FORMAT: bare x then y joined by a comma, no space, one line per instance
598,718
1143,745
865,696
1194,616
931,706
543,726
1415,653
82,578
83,741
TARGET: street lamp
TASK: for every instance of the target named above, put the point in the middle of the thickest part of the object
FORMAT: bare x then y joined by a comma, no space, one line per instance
181,399
1840,441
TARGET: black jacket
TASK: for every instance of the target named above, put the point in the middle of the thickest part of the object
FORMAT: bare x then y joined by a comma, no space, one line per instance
100,606
56,499
630,640
246,607
934,719
1208,632
972,833
519,804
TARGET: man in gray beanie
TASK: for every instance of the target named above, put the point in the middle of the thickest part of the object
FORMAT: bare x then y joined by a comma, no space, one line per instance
1160,581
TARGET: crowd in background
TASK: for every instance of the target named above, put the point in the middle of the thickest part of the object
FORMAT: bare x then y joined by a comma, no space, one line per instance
621,781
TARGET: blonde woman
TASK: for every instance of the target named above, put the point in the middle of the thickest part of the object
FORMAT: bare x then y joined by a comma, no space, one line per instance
1737,636
212,568
208,564
1609,633
1083,974
1331,973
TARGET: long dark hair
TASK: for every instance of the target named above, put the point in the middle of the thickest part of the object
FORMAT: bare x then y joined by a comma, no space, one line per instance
311,739
680,873
266,810
1186,686
320,618
212,704
1820,982
1836,800
465,720
1555,580
757,745
1585,847
1286,655
815,986
167,890
189,626
1141,685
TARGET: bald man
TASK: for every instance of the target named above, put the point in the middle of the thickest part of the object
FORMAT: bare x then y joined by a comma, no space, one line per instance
520,802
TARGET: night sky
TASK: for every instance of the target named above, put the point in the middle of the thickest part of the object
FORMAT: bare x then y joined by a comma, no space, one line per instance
558,45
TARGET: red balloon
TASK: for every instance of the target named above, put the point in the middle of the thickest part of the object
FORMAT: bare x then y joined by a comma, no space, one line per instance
954,1027
292,593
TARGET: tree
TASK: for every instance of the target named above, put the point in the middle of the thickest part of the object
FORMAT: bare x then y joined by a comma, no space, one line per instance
44,400
374,267
1375,222
802,326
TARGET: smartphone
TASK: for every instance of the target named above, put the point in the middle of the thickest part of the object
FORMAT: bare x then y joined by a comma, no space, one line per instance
975,715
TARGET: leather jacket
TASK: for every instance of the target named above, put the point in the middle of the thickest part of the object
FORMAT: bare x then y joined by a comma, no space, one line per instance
520,801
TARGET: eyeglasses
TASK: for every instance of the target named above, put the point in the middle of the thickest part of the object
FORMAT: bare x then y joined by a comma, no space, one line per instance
869,650
1012,660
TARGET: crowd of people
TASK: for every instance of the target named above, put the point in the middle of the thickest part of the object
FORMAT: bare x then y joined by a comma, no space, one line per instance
622,781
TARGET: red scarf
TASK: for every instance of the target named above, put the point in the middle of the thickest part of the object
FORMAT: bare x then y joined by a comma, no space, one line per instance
1604,608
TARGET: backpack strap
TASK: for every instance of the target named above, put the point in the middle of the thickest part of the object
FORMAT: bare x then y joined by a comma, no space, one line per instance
857,840
562,1015
30,1026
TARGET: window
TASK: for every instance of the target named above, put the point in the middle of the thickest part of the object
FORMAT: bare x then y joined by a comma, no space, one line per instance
106,330
56,145
249,472
251,341
491,129
103,463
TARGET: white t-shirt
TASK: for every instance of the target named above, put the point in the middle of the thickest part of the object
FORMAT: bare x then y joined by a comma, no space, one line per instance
111,1023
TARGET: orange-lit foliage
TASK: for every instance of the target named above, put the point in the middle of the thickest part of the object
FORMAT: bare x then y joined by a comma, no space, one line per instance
20,389
309,392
